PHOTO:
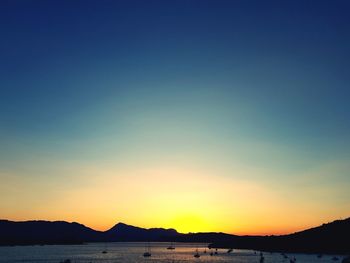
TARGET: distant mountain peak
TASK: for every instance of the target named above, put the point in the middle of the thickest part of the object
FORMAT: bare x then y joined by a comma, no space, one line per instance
121,226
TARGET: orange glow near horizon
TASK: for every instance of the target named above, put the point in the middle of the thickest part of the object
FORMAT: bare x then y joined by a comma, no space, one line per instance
194,202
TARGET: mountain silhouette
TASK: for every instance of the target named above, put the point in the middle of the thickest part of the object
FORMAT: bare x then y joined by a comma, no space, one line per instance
327,238
60,232
124,232
44,232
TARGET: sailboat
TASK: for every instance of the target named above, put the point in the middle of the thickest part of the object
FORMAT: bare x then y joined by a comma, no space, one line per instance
171,246
196,255
147,251
262,259
105,250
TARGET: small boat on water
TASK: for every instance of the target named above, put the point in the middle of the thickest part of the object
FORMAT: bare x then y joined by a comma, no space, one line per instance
105,249
147,251
230,250
196,255
171,247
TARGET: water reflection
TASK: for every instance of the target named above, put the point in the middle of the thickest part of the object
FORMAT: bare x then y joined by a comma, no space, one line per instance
133,253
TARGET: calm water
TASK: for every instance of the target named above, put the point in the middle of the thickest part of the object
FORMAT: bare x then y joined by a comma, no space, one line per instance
132,253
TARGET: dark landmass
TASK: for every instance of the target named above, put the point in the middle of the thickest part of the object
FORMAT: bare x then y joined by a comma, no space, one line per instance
44,232
126,233
332,238
60,232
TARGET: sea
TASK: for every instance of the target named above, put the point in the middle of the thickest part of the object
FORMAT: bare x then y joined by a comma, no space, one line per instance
133,253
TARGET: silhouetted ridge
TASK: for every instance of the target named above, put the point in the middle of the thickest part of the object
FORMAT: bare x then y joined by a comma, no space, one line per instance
124,232
45,232
328,238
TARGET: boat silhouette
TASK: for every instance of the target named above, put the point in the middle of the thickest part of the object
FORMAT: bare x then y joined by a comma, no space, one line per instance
196,255
147,252
171,247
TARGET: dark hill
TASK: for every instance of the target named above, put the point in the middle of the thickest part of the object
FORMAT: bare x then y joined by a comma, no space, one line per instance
44,232
124,232
60,232
328,238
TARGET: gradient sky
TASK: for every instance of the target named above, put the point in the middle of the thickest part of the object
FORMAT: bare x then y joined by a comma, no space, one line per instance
226,116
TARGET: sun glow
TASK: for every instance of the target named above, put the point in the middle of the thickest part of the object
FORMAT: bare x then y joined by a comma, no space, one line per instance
188,199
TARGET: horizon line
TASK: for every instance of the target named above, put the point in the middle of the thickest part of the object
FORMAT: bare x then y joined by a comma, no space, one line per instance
171,228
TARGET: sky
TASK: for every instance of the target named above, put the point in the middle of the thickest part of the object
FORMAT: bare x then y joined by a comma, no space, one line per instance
229,116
